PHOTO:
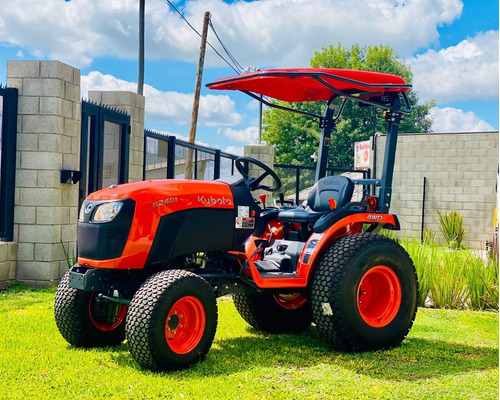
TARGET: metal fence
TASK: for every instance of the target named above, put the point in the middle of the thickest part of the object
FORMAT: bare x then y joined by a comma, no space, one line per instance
8,133
165,157
297,179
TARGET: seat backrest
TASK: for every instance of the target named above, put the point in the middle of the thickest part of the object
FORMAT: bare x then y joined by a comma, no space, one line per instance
339,188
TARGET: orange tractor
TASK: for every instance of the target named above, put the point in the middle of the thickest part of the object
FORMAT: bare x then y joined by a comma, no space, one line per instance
153,256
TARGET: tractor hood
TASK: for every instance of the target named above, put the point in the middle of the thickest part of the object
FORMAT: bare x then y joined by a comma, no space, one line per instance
164,196
145,224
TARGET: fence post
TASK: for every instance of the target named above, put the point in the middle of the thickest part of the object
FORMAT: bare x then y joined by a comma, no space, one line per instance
8,168
217,164
171,157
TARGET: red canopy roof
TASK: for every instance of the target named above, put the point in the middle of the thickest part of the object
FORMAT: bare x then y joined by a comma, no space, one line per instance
312,84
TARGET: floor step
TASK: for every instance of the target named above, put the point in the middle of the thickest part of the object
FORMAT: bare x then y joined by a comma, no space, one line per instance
287,275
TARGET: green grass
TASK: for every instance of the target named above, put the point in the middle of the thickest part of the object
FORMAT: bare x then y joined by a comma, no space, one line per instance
448,355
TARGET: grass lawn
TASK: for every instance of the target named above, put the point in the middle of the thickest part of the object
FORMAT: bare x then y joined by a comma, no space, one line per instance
448,355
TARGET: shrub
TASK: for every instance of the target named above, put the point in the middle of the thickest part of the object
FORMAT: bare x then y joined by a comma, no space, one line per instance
454,279
482,281
452,228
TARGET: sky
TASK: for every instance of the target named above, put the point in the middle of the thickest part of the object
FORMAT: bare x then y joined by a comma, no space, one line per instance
451,46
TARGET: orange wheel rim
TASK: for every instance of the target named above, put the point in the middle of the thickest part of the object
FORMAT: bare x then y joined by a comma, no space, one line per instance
121,312
379,296
291,301
185,325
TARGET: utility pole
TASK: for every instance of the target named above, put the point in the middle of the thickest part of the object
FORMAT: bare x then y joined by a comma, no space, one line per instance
140,80
196,102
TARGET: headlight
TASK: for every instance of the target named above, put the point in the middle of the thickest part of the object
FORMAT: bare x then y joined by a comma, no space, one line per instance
82,213
107,211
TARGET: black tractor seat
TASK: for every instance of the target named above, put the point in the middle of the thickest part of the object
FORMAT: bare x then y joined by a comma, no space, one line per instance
338,188
300,215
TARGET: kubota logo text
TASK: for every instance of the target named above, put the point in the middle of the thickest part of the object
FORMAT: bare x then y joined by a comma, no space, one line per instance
214,201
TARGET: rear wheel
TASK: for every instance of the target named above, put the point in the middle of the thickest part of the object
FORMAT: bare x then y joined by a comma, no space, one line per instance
84,320
364,293
274,313
172,320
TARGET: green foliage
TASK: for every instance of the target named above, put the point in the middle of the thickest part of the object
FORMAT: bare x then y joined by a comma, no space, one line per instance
447,355
296,137
452,228
454,279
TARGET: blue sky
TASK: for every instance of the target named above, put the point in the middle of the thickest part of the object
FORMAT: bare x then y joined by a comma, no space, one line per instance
451,45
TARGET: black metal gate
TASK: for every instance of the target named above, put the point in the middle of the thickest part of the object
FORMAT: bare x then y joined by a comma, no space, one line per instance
104,149
8,134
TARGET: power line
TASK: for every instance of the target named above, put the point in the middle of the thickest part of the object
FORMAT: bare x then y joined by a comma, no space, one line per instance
213,48
236,63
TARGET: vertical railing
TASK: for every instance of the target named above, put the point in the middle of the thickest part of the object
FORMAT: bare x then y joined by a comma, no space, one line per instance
8,137
163,153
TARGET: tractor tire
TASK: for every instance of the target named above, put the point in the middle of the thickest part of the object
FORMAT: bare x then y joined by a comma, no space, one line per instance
171,321
364,293
85,321
274,313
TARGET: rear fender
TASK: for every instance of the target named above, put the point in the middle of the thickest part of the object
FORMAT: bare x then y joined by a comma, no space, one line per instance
318,243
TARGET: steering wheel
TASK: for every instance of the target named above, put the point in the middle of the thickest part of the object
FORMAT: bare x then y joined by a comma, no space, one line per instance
255,183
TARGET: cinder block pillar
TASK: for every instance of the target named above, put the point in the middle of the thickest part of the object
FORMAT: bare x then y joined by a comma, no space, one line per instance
264,154
133,104
48,140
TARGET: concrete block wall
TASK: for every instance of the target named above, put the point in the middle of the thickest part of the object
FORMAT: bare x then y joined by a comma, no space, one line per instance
134,105
461,173
48,140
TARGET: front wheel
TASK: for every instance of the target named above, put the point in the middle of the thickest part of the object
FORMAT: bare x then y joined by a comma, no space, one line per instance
364,293
84,320
171,321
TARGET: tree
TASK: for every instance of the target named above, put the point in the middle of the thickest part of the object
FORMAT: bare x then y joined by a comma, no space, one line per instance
296,137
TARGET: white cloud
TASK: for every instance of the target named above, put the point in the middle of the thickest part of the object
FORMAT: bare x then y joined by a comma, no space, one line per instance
449,119
236,150
169,106
266,32
247,136
466,71
253,105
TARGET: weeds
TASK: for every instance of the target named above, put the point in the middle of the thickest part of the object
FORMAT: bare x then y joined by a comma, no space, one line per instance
70,261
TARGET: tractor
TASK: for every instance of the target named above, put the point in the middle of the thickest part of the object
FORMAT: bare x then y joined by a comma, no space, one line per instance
153,256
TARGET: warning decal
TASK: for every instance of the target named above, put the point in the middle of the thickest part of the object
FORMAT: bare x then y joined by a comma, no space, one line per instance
245,223
243,211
